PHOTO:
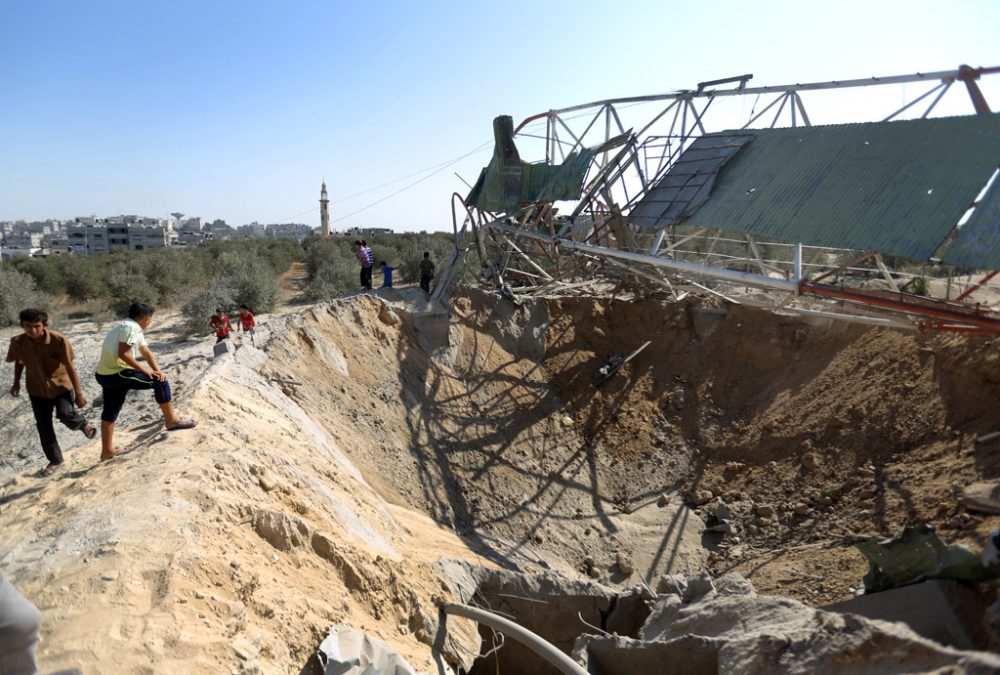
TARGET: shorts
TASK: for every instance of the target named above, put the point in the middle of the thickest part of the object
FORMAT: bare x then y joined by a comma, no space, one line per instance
116,388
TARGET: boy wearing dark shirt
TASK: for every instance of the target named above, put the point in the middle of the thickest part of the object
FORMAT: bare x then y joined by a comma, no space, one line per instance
53,383
426,272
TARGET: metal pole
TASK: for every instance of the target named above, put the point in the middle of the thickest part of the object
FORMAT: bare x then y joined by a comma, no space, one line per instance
559,660
675,265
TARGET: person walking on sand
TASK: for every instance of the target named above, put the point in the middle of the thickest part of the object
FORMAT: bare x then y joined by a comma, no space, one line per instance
221,325
426,273
366,259
247,323
53,383
119,372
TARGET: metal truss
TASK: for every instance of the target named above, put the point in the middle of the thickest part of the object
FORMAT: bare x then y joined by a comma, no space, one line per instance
572,247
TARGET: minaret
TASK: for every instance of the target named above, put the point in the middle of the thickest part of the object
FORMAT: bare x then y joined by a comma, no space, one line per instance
324,211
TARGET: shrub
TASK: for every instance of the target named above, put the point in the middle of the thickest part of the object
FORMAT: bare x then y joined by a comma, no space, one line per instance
126,288
201,305
920,286
18,291
252,278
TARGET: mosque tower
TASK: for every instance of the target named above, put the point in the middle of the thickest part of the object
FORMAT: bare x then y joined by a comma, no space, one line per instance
324,211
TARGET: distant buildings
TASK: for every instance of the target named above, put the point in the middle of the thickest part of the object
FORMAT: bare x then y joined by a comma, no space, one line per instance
367,231
90,235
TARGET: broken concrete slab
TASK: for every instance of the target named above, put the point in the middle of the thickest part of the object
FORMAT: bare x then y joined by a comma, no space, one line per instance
766,634
555,608
944,611
983,497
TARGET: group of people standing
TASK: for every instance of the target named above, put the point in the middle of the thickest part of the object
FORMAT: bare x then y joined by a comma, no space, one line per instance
366,261
53,385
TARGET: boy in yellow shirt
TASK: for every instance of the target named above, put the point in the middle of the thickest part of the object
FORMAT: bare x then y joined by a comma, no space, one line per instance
119,372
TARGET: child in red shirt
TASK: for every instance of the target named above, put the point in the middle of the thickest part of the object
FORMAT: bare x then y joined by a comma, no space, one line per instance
221,325
246,322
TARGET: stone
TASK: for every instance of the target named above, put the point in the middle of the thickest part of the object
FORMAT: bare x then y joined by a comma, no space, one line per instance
663,500
699,497
698,586
624,562
801,509
389,316
280,530
111,576
765,511
811,461
199,595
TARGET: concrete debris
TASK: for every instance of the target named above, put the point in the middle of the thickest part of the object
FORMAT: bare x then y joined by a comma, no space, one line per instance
687,587
944,611
347,651
983,497
548,604
746,633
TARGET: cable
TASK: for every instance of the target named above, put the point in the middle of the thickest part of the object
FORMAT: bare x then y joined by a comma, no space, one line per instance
415,173
414,183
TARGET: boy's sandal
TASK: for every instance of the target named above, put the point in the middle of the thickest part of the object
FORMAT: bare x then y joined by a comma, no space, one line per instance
51,469
89,430
183,423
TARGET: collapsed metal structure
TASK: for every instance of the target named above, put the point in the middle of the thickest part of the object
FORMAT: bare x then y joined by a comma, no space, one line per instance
617,195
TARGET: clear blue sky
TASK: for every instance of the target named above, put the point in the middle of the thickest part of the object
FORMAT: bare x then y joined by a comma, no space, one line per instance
237,110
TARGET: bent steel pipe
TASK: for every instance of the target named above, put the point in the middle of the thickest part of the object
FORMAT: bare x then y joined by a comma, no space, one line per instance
543,648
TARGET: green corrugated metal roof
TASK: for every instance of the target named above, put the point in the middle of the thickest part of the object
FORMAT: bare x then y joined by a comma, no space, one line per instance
891,187
507,182
978,242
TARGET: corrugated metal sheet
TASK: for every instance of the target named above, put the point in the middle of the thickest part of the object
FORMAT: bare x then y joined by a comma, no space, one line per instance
891,187
978,242
688,183
507,182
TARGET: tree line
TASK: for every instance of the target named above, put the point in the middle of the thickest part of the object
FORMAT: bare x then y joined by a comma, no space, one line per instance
216,273
200,278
